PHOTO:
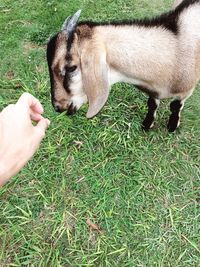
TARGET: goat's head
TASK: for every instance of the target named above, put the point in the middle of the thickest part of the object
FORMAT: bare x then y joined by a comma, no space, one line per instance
64,68
77,75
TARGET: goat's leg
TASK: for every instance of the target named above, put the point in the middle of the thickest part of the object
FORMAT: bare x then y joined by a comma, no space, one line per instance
148,122
176,106
174,120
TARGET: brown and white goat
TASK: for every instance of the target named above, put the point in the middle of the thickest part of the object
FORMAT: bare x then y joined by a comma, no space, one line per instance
160,56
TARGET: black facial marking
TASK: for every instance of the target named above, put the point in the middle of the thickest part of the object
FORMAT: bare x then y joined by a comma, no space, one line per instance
70,40
66,82
174,118
152,106
51,48
167,20
67,78
68,57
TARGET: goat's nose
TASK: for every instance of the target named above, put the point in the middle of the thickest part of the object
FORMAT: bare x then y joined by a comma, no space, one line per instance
57,108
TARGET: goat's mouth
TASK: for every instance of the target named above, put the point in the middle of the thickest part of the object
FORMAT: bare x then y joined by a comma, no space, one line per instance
59,109
71,109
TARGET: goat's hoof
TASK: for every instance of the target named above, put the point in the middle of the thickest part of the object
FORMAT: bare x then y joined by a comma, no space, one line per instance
144,128
171,128
147,125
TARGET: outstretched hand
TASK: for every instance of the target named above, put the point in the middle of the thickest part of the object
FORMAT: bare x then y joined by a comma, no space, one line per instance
19,138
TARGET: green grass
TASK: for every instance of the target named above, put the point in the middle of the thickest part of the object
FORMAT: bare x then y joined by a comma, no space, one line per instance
142,190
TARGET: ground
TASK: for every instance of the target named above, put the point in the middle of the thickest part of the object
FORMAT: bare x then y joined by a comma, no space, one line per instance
99,192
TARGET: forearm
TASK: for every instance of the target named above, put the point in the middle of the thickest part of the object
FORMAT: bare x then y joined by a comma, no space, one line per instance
9,166
6,169
10,161
5,173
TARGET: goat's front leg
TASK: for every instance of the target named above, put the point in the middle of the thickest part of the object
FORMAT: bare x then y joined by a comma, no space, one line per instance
174,120
148,122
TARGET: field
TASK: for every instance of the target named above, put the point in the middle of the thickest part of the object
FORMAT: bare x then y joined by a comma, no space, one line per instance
98,192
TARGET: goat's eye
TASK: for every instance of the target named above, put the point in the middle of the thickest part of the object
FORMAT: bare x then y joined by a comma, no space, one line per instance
70,68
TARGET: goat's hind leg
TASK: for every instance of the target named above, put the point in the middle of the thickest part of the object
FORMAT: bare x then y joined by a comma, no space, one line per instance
148,122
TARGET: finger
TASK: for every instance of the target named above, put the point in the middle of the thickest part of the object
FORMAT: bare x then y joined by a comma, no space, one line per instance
41,127
28,101
36,116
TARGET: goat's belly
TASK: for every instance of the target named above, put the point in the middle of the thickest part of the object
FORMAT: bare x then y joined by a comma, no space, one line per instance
149,88
116,76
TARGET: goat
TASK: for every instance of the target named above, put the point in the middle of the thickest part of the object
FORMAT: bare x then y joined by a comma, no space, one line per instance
160,56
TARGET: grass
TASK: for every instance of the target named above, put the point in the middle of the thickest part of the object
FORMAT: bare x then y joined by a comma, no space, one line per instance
142,191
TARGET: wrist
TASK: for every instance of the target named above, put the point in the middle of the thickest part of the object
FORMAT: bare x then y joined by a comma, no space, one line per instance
4,172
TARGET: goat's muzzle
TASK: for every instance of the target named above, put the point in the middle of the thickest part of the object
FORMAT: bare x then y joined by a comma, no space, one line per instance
71,109
58,108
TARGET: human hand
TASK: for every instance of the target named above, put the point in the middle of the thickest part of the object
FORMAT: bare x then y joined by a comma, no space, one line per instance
19,139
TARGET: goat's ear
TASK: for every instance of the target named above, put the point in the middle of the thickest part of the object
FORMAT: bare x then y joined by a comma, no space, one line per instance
95,81
70,23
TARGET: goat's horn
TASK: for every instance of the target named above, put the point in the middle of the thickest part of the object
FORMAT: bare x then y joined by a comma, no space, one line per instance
70,23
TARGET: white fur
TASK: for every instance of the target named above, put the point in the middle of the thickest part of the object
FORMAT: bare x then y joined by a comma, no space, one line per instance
78,96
